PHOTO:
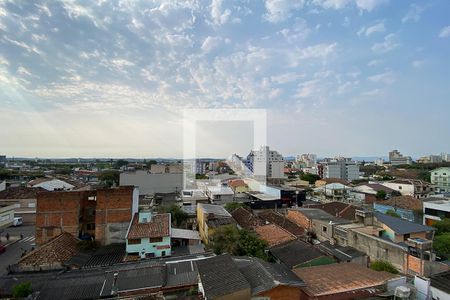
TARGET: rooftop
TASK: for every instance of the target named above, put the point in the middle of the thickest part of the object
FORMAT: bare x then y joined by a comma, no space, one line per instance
220,276
340,252
441,281
318,214
338,209
245,218
185,234
20,192
274,235
57,250
295,253
405,202
340,278
158,226
217,210
282,221
401,226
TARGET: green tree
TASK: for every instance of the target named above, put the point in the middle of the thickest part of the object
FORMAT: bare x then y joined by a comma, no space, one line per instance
311,178
178,216
120,163
150,163
381,194
200,176
441,244
22,290
251,245
109,177
392,213
442,226
231,206
382,265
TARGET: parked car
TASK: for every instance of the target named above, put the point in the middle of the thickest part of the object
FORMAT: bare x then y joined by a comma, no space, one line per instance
17,221
2,249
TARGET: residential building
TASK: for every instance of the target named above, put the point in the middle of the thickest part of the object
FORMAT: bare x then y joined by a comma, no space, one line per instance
150,184
297,254
51,184
440,178
24,201
220,194
210,217
238,186
103,215
2,161
439,286
226,277
192,197
246,219
410,187
307,160
337,209
396,158
149,235
266,163
373,188
6,215
325,181
408,207
435,209
274,235
343,168
333,192
343,281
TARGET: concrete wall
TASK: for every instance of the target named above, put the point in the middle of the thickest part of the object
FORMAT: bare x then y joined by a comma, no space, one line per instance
149,184
6,216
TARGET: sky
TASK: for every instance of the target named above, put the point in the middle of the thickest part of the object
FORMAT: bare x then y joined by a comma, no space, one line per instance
112,78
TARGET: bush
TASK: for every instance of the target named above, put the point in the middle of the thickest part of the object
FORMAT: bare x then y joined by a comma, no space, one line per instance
22,290
382,265
392,213
231,206
441,244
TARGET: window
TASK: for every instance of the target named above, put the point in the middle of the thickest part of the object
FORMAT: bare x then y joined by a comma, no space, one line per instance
90,226
31,204
134,241
324,228
399,187
156,240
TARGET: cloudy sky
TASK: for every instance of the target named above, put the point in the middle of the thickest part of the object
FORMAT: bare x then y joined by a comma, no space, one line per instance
111,78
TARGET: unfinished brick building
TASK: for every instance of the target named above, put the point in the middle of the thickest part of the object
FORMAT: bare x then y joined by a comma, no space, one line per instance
103,214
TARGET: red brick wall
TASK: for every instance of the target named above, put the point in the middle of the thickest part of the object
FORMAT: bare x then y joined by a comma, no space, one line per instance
283,293
414,264
298,218
113,206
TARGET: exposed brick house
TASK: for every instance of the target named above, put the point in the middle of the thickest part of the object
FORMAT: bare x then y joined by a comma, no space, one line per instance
103,214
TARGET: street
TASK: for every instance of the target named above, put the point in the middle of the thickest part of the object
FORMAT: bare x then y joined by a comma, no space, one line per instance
16,246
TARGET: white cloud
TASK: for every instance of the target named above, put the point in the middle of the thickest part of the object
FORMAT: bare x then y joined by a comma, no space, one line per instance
445,32
298,32
379,27
218,15
210,43
374,62
417,63
373,93
389,44
413,13
280,10
386,78
23,71
335,4
370,5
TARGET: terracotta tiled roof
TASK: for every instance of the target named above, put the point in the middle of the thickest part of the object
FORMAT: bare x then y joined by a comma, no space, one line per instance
159,226
236,183
57,250
283,222
246,219
20,192
406,202
274,235
340,278
335,180
337,209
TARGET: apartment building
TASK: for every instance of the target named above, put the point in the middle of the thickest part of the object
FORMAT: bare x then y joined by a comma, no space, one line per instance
435,209
266,162
343,168
440,178
396,158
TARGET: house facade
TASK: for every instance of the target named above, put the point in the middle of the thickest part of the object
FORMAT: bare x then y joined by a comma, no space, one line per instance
440,178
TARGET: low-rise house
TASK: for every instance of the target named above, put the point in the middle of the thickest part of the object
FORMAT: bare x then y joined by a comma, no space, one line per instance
149,235
333,192
440,178
410,187
185,237
24,201
296,254
246,219
274,235
51,255
408,207
435,209
238,186
343,253
226,277
211,217
325,181
51,184
283,222
370,190
6,215
342,281
192,197
316,221
337,209
220,194
219,278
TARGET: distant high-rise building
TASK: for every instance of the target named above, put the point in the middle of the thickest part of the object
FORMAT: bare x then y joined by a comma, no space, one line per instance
2,161
307,160
343,168
265,162
396,158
